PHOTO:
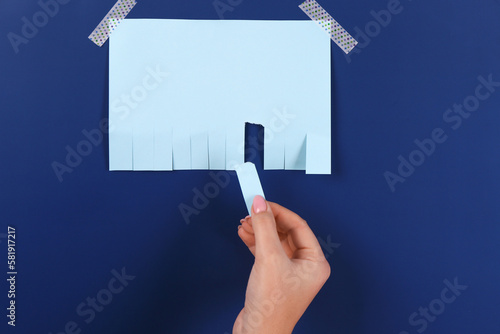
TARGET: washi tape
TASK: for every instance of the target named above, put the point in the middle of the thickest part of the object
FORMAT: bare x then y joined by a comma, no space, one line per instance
338,34
119,11
249,183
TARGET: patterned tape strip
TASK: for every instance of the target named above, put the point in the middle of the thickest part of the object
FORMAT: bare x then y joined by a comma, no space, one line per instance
119,11
321,16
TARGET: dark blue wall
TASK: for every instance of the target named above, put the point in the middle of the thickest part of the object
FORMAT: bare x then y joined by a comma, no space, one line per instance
393,253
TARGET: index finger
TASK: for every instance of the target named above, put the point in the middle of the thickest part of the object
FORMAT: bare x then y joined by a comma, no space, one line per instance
302,236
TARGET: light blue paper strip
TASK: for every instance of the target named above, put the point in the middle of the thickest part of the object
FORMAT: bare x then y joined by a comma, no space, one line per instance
163,150
274,150
199,150
143,152
120,151
295,152
217,149
181,142
249,183
235,146
315,152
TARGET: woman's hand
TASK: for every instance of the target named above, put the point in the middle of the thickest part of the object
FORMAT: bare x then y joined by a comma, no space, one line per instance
289,270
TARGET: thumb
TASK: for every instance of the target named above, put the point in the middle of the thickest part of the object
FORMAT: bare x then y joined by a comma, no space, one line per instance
267,240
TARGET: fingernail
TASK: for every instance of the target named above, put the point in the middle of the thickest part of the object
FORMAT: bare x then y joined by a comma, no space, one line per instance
239,227
259,204
241,221
247,217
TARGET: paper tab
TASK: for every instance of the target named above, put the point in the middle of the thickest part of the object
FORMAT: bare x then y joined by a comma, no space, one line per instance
249,183
274,150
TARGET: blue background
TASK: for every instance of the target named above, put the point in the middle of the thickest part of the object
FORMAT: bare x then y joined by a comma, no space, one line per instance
396,248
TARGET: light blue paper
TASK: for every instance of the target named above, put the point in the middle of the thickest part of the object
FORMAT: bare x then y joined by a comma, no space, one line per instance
143,151
221,74
181,148
217,149
199,150
295,151
163,149
249,183
235,146
316,161
274,150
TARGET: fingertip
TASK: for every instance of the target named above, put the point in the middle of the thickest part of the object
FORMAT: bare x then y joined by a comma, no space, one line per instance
242,233
264,228
247,238
247,227
259,204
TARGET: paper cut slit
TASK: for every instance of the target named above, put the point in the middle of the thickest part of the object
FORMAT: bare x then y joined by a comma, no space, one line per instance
254,143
